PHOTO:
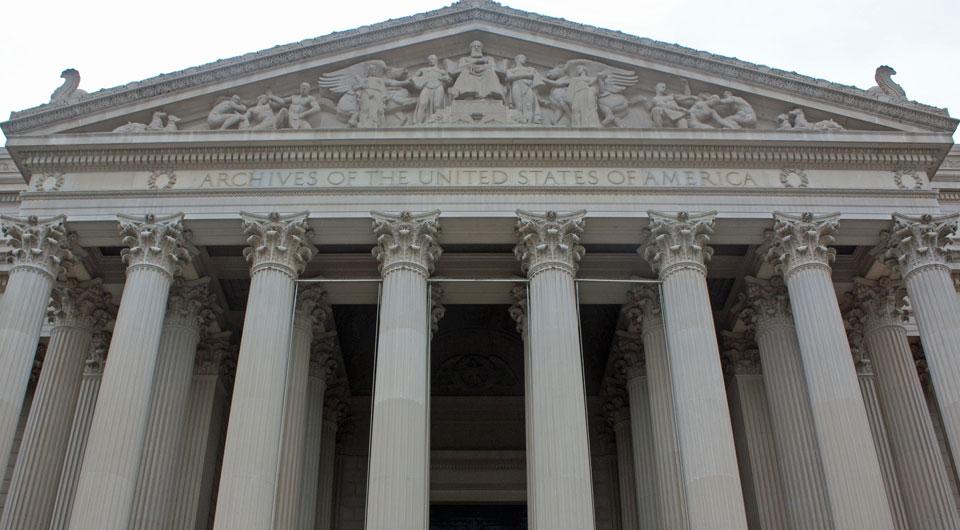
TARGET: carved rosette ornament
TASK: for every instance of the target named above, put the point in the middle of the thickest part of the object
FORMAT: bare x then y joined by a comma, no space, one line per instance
158,243
549,241
674,242
39,245
881,302
518,309
213,349
277,242
407,241
767,304
916,243
799,242
739,354
80,304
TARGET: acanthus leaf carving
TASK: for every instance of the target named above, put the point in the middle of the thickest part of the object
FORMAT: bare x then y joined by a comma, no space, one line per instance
323,357
675,241
549,241
882,302
437,309
407,241
278,242
83,304
154,242
766,304
518,309
915,243
37,244
213,349
187,300
798,242
739,354
312,309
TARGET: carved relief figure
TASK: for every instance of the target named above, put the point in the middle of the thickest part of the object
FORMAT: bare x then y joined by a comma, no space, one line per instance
524,81
159,121
301,105
703,114
665,108
227,113
262,115
583,88
887,88
796,120
369,91
68,91
431,82
742,115
477,76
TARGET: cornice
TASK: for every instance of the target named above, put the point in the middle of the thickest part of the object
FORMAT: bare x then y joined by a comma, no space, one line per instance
773,153
489,12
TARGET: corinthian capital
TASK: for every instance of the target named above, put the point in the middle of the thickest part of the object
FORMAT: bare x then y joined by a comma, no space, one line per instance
407,241
97,354
437,309
629,360
155,242
766,302
644,306
739,354
187,299
676,241
518,309
82,304
919,242
312,309
278,242
802,241
323,357
881,302
213,349
549,241
38,244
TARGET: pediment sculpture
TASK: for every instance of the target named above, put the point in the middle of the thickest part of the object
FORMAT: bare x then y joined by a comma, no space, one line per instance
478,89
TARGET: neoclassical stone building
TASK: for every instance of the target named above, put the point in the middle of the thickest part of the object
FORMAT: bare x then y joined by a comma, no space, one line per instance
480,269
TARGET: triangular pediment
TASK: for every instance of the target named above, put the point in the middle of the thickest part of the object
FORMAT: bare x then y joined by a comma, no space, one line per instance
574,76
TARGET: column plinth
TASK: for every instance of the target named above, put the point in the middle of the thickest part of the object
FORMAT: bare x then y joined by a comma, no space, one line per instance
398,486
920,468
78,310
190,309
39,254
916,247
676,247
278,252
157,249
854,483
768,314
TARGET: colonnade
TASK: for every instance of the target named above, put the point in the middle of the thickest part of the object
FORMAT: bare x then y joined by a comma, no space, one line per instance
133,459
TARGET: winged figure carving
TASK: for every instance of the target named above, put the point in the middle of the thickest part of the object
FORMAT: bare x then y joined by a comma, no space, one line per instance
584,90
368,92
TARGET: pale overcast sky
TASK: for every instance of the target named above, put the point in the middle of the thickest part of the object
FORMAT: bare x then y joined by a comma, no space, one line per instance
112,42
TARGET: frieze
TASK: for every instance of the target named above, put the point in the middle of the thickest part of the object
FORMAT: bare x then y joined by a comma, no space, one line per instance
450,177
463,12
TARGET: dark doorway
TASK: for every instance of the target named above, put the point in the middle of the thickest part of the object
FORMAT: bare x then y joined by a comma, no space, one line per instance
477,517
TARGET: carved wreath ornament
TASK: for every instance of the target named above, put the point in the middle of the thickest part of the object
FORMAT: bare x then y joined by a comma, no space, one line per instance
794,178
48,182
908,180
162,180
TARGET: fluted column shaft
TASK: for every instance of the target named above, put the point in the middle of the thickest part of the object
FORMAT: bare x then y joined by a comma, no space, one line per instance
33,488
278,253
562,483
328,462
644,461
671,499
916,454
792,420
626,476
168,408
313,440
38,251
398,483
854,484
294,425
881,440
76,446
189,509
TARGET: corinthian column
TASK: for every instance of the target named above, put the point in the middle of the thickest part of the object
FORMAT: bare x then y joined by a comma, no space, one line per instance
279,251
619,417
195,479
920,469
398,485
671,501
322,369
108,478
549,252
676,247
768,313
78,308
169,402
39,255
917,249
309,314
851,470
328,462
763,485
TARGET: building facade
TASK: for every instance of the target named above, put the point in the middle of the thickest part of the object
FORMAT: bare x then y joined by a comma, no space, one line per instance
480,269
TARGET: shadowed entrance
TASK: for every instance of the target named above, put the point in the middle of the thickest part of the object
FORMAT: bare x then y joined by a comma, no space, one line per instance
478,517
